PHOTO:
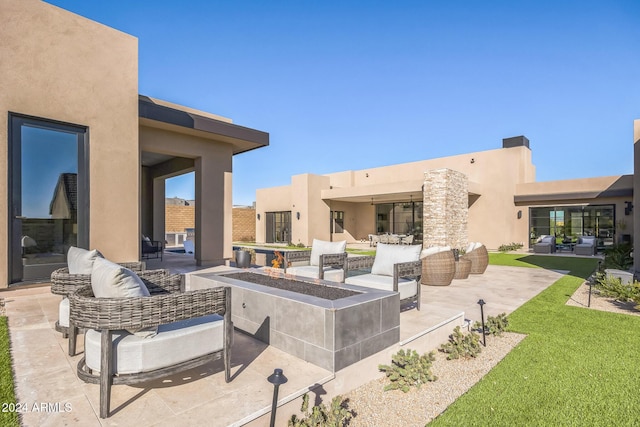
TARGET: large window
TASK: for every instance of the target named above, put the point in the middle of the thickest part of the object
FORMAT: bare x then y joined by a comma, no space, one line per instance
400,218
48,195
569,222
278,227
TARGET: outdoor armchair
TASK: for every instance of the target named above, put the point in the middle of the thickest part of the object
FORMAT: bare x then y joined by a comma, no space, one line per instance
395,268
546,245
151,248
479,257
587,245
438,266
191,328
326,261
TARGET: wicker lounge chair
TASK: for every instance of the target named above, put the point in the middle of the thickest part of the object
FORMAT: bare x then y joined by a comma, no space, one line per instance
64,284
395,268
545,245
478,256
326,261
198,322
587,245
438,266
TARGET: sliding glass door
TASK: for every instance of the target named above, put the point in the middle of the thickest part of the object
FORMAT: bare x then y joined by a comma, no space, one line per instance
48,195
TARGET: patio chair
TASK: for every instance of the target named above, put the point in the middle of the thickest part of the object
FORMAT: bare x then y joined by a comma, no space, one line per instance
394,239
373,239
479,257
407,240
545,245
438,266
68,279
327,261
395,268
587,245
384,238
193,328
151,248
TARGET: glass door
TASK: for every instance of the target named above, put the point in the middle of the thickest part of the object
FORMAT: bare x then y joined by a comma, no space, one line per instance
48,200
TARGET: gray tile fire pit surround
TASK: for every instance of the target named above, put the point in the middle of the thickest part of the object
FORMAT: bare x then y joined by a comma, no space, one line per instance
330,334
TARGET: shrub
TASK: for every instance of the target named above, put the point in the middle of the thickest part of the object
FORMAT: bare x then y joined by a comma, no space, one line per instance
301,245
612,287
320,416
408,369
510,247
462,345
494,325
619,256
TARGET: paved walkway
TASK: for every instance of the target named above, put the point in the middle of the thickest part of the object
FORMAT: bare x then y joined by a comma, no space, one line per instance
46,374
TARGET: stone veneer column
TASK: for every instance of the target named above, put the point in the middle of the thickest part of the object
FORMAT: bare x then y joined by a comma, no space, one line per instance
446,208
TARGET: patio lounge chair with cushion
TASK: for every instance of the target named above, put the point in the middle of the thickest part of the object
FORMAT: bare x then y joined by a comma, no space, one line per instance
479,257
151,248
587,245
327,261
546,245
438,266
395,268
182,330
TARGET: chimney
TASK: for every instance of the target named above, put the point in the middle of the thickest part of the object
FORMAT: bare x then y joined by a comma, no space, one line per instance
515,141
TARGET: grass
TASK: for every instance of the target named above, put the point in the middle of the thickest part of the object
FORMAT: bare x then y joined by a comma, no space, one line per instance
576,367
7,393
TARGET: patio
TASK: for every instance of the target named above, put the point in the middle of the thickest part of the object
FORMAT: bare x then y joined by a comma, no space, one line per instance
46,374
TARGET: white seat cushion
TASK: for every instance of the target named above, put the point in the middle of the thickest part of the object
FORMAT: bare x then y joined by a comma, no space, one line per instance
63,312
80,261
388,255
330,274
175,343
434,250
321,247
407,288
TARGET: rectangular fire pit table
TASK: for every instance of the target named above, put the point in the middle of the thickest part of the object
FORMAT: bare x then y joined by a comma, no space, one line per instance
332,334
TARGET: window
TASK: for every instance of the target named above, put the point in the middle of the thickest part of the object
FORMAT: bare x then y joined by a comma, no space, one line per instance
400,218
278,227
337,222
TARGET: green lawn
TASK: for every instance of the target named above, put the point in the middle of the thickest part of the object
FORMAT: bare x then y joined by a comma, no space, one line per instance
7,394
577,367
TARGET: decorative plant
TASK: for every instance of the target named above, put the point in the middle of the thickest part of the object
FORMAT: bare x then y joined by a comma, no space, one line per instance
278,261
494,325
251,251
408,369
462,345
619,256
510,247
613,287
338,415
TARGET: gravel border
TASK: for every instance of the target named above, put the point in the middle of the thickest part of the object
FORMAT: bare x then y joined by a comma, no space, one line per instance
580,298
375,407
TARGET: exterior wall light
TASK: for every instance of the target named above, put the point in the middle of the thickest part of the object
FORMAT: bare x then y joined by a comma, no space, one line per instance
473,160
297,215
519,214
258,217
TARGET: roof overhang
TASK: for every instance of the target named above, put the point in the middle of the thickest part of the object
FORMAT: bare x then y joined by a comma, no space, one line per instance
574,190
162,115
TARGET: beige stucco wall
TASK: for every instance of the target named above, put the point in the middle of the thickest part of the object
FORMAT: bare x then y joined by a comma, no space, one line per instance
492,216
636,194
274,199
60,66
212,165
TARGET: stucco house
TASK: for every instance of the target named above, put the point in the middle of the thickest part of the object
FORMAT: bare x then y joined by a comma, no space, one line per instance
70,105
489,196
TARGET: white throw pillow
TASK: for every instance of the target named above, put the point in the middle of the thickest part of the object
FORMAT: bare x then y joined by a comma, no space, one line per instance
110,280
429,251
470,247
389,255
80,261
477,245
322,247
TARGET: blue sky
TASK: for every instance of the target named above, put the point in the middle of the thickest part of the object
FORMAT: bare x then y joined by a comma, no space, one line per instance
345,85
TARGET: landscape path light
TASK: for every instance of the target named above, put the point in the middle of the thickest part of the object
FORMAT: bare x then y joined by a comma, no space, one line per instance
484,336
277,379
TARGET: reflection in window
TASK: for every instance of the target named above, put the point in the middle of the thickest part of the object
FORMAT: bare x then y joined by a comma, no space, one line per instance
337,222
400,218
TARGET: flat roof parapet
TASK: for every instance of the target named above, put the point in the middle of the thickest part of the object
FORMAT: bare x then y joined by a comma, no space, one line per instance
515,141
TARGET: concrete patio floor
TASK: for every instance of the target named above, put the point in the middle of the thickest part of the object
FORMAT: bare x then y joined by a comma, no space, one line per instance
46,374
